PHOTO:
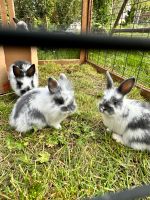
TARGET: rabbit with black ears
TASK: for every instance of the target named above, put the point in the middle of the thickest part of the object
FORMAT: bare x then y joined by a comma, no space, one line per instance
23,76
44,106
128,119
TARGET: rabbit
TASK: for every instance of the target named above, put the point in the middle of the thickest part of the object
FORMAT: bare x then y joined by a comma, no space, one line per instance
21,25
44,106
23,76
128,119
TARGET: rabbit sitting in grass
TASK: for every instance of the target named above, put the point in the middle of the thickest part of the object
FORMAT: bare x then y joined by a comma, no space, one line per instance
128,119
44,106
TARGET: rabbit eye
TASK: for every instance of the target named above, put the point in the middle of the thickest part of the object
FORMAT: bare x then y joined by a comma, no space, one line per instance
59,101
115,102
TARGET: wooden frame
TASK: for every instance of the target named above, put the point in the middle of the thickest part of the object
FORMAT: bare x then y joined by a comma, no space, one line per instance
10,54
145,92
85,24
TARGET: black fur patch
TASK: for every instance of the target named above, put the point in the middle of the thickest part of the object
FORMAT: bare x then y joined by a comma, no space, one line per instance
126,114
145,105
25,90
19,84
23,101
36,114
32,84
117,102
19,63
59,100
70,107
144,140
64,109
140,123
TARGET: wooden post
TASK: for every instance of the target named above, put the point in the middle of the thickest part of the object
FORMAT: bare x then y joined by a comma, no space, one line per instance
119,15
3,13
4,83
11,10
85,24
10,54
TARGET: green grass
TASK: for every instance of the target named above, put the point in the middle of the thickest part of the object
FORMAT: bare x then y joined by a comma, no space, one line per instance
125,63
58,54
77,161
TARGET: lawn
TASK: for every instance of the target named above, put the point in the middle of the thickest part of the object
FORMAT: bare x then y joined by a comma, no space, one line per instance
77,161
126,64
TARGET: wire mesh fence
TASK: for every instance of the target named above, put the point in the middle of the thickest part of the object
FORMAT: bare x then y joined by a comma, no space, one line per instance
123,18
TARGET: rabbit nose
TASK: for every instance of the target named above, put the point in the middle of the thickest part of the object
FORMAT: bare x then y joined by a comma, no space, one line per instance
71,106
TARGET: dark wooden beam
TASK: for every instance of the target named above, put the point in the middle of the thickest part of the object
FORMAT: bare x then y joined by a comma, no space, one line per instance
130,30
119,15
60,61
145,92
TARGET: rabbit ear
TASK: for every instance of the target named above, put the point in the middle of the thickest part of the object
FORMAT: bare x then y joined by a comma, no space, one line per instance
53,85
30,72
15,20
63,76
64,82
109,80
126,86
17,72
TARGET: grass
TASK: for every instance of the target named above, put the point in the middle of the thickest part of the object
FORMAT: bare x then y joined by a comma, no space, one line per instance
125,63
77,161
44,54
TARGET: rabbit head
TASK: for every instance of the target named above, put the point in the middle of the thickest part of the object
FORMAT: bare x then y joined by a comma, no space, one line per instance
23,77
62,94
20,25
112,101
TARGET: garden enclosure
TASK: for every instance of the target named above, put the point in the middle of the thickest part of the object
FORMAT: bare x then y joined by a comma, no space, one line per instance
129,18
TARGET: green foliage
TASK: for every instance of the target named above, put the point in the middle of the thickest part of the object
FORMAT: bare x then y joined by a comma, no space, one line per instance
49,13
101,13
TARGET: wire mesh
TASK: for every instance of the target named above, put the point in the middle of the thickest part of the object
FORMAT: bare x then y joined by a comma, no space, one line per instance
133,21
51,15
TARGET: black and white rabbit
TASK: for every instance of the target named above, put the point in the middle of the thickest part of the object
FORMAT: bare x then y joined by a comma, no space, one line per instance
128,119
20,25
44,106
23,76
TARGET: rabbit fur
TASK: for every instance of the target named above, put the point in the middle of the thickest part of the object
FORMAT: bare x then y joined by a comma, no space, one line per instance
44,106
128,119
23,76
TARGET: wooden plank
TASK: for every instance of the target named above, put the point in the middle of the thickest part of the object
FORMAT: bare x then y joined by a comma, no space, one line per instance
130,30
90,8
11,11
84,25
4,83
119,15
145,92
60,61
3,10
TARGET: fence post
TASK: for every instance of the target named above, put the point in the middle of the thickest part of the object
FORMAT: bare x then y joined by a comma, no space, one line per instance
3,13
119,15
85,25
11,11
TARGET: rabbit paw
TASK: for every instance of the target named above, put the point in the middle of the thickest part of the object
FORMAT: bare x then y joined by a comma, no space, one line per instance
108,130
118,138
57,126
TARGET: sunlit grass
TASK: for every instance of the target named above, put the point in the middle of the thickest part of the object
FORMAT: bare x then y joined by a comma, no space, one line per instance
77,161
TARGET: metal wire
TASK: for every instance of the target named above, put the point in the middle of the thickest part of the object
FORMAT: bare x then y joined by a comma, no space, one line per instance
134,22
